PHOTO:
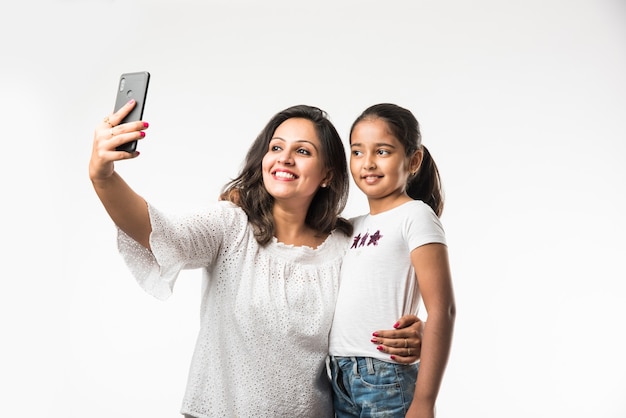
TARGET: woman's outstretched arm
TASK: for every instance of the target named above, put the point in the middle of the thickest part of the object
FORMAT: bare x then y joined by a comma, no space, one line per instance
126,208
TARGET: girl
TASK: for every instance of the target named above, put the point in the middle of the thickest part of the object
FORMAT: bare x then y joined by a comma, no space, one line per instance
397,256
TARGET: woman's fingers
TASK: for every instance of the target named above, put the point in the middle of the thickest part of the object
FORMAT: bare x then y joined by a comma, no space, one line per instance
401,350
404,342
119,135
116,118
108,136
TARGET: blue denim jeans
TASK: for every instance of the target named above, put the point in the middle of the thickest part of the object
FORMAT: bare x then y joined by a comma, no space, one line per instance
367,387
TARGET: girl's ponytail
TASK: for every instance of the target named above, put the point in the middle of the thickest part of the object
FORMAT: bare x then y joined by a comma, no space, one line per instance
425,185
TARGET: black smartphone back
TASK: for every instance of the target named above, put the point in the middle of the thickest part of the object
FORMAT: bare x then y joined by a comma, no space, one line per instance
132,86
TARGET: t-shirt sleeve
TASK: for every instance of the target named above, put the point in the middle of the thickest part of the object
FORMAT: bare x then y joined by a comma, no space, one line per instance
424,227
182,242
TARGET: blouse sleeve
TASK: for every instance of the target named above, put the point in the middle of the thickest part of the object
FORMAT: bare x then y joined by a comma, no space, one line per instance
185,242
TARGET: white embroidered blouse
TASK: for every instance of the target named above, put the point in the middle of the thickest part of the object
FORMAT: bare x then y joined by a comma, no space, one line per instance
266,312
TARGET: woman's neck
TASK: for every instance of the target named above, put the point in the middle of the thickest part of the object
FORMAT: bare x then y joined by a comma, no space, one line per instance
290,228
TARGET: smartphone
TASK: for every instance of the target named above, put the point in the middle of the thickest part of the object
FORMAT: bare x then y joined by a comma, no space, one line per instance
132,86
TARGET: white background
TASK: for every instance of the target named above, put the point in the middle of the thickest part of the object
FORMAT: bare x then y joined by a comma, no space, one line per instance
522,104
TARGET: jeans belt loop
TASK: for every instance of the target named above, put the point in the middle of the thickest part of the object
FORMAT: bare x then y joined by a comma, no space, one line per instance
355,366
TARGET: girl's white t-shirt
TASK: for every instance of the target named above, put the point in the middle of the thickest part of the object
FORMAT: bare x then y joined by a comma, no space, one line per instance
378,283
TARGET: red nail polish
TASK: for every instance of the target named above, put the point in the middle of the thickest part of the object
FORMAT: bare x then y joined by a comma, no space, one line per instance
393,357
375,334
374,340
145,124
396,325
379,348
142,133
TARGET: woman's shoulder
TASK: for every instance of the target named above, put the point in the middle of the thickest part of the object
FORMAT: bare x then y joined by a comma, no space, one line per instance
220,215
228,213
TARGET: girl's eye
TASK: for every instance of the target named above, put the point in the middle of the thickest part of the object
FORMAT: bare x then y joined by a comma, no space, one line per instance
356,153
383,152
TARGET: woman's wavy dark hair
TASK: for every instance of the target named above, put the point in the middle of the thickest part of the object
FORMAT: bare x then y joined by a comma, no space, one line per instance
425,185
248,190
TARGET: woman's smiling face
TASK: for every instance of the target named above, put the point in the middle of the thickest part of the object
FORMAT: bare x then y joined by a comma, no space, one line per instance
293,166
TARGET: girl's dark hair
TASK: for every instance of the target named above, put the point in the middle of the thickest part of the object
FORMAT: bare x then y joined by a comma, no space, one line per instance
425,185
248,190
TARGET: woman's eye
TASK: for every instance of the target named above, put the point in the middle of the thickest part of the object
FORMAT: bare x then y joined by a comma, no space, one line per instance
303,151
275,148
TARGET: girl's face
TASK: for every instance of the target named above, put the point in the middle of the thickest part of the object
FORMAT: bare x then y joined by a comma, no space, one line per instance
378,163
293,167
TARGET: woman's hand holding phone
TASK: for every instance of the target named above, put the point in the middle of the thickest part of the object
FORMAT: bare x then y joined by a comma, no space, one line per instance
108,137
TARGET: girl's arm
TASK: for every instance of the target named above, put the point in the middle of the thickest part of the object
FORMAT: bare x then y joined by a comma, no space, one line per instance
126,208
435,282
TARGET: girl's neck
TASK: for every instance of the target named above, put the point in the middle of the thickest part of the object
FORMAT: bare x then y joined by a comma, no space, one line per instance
387,203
